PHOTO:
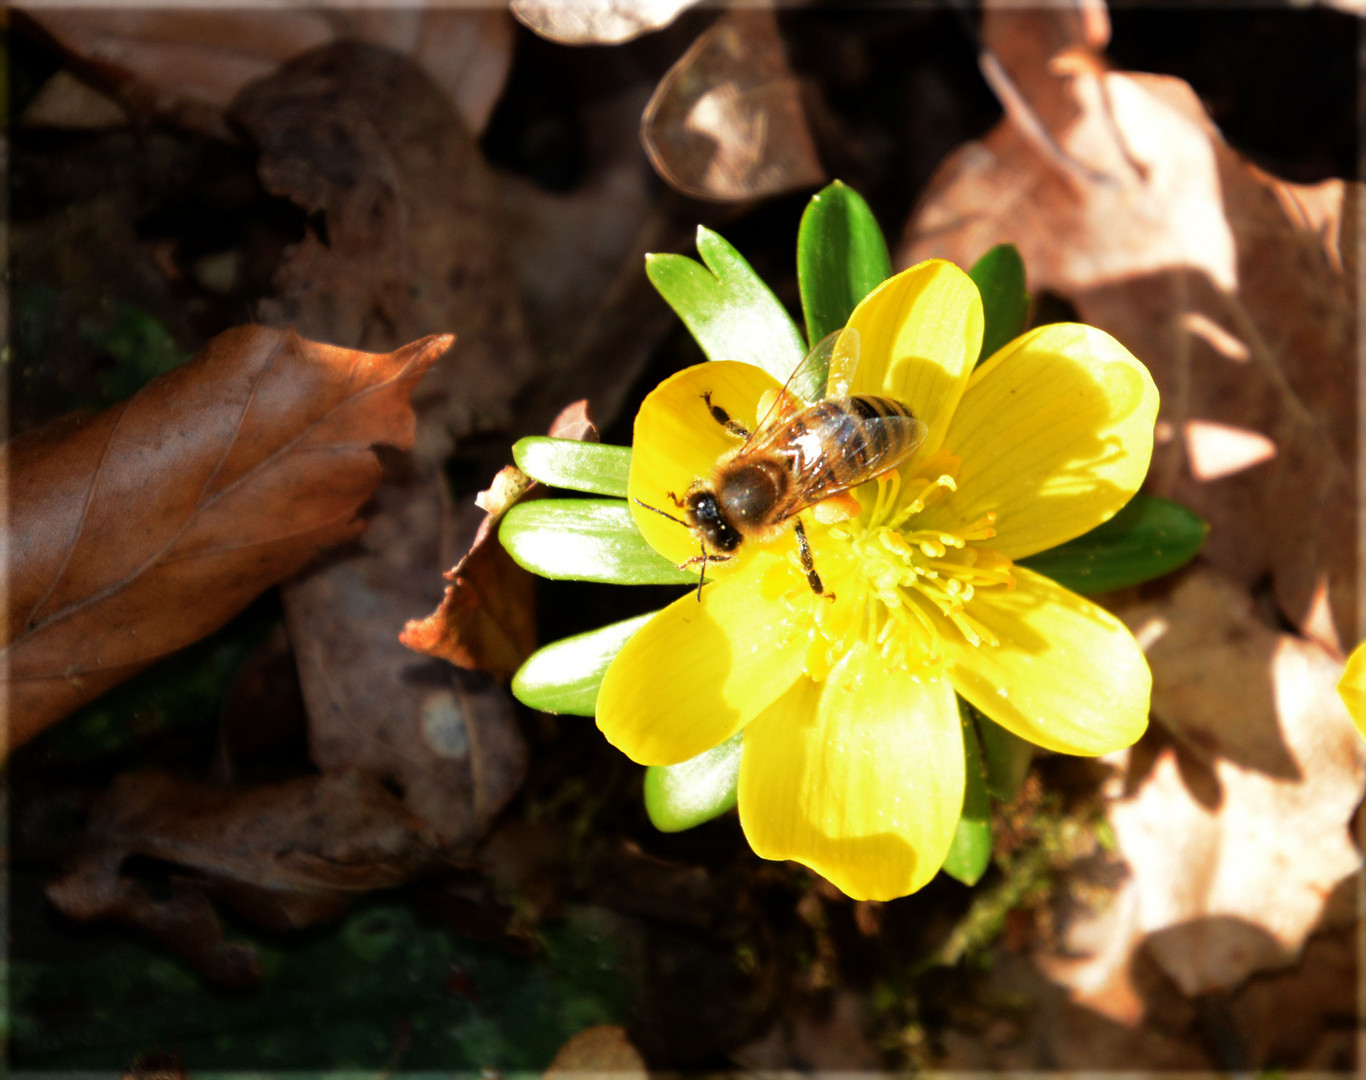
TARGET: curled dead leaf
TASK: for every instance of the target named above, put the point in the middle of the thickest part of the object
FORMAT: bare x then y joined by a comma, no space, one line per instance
285,855
726,121
140,529
486,622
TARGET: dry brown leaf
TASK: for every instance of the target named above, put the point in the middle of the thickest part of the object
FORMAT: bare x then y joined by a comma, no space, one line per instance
1235,288
726,121
406,234
1235,841
188,63
285,855
138,530
596,22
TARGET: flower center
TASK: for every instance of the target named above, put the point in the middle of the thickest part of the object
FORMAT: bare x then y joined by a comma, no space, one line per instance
900,590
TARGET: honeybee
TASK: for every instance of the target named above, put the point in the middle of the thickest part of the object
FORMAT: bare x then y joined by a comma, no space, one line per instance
815,442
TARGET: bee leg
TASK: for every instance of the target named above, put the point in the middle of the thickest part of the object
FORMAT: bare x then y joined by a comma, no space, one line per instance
723,418
809,565
702,560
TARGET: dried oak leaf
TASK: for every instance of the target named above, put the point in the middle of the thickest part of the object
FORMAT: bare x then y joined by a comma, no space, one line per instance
726,121
1236,837
486,622
188,63
284,855
405,235
1236,289
140,529
404,232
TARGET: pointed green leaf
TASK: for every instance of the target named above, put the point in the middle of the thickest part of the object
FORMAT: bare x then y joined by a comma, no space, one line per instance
677,797
585,540
1005,756
574,465
727,308
970,853
841,258
1000,278
1148,538
564,677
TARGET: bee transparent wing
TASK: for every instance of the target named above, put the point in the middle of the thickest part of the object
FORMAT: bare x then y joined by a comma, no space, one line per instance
844,357
867,437
835,357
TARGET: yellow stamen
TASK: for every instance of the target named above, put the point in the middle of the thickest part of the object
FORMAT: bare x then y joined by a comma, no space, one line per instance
898,589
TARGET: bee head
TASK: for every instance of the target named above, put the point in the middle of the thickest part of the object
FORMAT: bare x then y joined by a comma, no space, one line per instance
705,515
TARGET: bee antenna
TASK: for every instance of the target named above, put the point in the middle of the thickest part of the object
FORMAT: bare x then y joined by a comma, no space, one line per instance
702,574
661,513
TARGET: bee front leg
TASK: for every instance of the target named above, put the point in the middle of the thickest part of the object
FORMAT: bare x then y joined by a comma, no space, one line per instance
703,560
723,418
809,564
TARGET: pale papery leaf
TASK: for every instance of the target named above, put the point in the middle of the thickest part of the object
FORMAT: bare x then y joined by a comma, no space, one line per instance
598,1050
1235,836
1236,289
596,22
188,63
726,121
138,530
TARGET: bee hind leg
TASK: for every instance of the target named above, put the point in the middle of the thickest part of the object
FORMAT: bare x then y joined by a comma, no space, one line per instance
723,418
809,564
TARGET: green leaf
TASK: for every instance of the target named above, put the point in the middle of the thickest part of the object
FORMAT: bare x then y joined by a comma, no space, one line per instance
1148,538
564,677
841,258
727,308
970,853
1000,278
585,540
1005,756
677,797
574,465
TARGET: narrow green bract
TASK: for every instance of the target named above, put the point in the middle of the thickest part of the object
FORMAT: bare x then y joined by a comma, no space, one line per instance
970,854
564,677
585,540
574,465
841,258
727,307
1150,537
677,797
1000,279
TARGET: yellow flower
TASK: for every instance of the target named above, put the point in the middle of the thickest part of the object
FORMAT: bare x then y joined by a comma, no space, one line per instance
1352,687
853,752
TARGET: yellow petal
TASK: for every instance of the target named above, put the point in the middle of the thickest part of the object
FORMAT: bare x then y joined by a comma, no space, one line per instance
1353,687
1066,674
696,673
859,777
920,332
677,441
1055,433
